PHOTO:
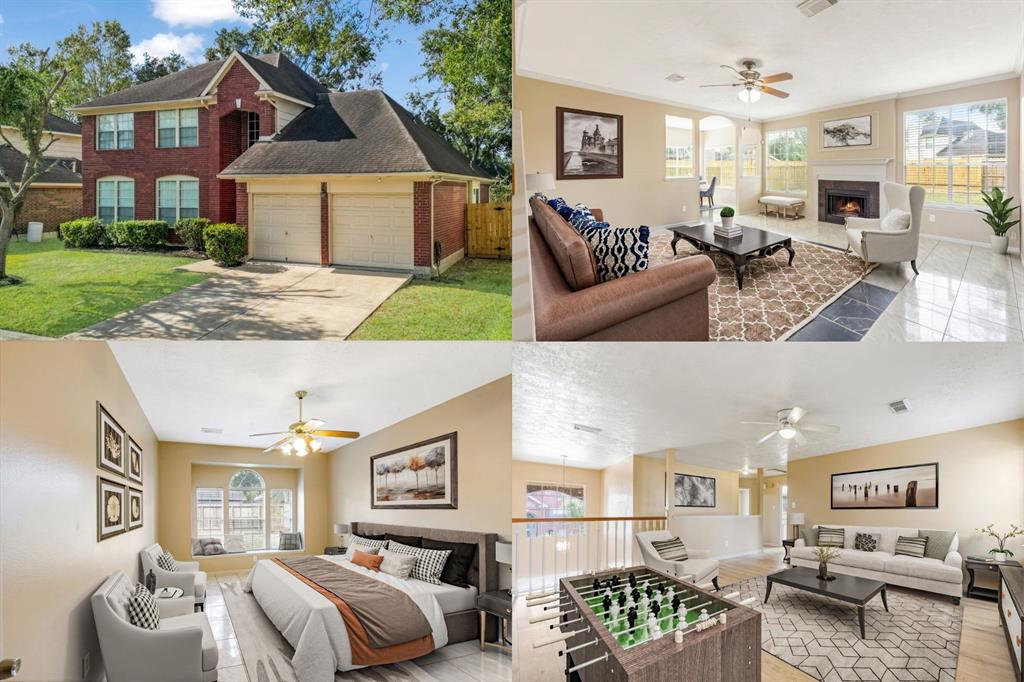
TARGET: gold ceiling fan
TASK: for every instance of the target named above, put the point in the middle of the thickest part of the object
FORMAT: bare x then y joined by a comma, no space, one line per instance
751,82
299,438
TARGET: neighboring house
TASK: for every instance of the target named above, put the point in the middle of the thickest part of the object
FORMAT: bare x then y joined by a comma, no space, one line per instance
56,196
316,177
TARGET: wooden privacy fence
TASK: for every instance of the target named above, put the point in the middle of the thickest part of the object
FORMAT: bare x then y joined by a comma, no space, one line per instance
489,230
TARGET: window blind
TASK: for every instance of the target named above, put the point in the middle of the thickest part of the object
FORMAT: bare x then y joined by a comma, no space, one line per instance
786,160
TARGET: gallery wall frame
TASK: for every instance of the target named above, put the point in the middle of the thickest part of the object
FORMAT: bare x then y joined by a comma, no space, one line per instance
596,164
111,515
889,499
695,491
437,456
863,123
111,443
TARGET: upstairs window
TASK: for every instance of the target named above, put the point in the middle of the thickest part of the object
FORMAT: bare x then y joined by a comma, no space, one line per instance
786,161
115,199
115,131
177,197
252,128
177,128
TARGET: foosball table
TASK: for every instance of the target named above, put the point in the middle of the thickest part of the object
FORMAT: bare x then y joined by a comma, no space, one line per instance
641,624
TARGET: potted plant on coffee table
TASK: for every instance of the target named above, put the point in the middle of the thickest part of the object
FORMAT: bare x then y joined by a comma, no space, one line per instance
1001,553
727,215
825,554
998,216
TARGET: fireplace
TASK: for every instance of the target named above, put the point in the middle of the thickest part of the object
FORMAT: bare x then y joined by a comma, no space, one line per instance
842,199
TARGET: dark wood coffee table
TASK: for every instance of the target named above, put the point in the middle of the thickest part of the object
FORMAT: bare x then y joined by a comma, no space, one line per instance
847,588
753,243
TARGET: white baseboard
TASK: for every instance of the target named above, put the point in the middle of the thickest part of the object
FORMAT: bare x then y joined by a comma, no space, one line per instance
965,242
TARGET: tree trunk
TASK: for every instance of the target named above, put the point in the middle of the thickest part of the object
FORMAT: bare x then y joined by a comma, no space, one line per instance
6,230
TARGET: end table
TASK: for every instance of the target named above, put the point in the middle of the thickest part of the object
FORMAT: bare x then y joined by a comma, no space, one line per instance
973,565
497,603
786,546
334,551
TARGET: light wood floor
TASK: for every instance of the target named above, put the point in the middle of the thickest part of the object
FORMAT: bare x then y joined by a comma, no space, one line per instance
983,653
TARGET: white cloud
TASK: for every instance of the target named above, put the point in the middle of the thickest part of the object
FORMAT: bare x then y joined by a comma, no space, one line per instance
1,19
195,12
189,46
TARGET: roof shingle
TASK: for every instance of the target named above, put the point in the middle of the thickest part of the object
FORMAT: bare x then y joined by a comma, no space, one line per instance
13,163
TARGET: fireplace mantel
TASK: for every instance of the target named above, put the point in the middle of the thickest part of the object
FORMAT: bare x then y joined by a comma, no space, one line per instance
853,162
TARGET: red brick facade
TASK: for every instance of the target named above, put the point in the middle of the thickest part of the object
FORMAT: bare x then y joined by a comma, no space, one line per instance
450,216
421,247
49,205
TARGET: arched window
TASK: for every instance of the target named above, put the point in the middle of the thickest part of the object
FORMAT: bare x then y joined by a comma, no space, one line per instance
247,509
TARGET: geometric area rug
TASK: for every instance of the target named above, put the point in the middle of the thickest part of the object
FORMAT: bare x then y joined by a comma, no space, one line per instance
918,639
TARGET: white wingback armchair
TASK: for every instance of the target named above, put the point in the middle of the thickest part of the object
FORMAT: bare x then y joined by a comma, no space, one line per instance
699,565
874,244
181,650
188,577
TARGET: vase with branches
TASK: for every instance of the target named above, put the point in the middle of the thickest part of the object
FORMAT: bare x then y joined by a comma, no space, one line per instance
1001,552
825,554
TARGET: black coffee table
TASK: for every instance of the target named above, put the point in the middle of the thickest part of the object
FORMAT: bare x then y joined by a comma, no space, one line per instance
753,243
847,588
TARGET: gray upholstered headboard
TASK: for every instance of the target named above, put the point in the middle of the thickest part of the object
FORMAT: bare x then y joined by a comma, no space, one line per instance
488,566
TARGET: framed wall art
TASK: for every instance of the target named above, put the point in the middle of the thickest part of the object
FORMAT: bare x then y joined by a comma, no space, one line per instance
110,442
110,509
134,462
694,491
588,144
423,475
903,487
134,508
846,132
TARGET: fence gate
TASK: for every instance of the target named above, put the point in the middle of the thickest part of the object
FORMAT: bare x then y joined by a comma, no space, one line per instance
489,230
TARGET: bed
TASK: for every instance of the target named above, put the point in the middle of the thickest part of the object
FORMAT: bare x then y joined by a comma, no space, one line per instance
315,626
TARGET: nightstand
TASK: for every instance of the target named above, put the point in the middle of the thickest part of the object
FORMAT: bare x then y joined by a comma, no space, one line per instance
974,565
334,551
498,604
786,546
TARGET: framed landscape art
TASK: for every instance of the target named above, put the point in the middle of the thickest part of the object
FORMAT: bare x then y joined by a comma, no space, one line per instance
110,509
110,442
847,132
904,487
423,475
588,144
694,491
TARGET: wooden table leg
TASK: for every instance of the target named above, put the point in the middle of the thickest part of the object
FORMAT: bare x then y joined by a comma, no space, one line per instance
789,247
483,628
768,591
740,263
860,617
675,240
884,602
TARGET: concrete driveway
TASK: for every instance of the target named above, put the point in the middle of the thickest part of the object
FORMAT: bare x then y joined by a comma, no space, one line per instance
257,301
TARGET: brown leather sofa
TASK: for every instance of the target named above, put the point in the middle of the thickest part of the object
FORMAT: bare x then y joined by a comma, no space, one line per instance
664,303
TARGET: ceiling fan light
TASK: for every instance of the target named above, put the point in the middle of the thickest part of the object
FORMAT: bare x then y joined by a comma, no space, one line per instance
286,449
315,446
748,94
787,432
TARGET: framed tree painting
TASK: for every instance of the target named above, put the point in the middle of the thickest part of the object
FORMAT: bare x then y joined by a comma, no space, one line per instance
588,144
134,508
110,442
110,508
134,461
847,132
694,491
423,475
903,487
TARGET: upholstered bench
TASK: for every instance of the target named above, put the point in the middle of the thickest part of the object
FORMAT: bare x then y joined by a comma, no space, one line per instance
782,205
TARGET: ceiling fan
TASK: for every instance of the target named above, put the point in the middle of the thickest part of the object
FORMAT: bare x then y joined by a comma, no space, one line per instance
298,439
788,426
751,82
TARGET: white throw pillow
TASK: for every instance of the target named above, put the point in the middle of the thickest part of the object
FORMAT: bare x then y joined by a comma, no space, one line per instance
398,565
896,220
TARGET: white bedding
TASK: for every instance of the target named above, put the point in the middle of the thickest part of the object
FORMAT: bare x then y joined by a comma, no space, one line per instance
452,598
312,624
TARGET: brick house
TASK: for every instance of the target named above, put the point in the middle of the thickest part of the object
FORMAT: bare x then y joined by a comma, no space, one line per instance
317,177
56,196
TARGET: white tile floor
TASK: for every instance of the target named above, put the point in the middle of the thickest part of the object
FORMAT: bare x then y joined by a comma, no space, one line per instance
462,662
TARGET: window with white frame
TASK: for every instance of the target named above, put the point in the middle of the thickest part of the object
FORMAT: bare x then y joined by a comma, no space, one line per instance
554,500
177,128
177,197
210,513
247,512
749,161
252,126
720,162
115,131
678,147
956,151
282,518
115,199
786,160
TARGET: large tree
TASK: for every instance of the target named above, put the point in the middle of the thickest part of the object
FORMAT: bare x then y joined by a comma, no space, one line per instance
151,68
29,87
99,60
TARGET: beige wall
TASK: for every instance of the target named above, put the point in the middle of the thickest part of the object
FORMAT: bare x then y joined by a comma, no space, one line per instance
535,472
648,486
64,146
727,485
617,481
981,481
51,561
1020,175
483,420
755,494
178,464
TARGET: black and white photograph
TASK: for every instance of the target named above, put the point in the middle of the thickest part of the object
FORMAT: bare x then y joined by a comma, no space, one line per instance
694,491
847,132
589,144
906,487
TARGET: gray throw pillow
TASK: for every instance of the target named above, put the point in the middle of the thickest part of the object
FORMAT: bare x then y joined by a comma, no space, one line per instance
398,565
213,548
938,543
810,536
867,542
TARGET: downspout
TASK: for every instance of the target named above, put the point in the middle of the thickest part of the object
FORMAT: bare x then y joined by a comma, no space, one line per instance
435,266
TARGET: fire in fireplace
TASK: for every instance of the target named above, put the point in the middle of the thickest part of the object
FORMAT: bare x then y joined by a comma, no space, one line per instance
842,199
845,206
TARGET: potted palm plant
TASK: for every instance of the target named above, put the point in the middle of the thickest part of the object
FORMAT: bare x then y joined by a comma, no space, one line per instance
825,555
1001,553
998,216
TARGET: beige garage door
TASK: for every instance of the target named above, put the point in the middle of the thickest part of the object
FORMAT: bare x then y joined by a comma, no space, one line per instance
287,227
372,230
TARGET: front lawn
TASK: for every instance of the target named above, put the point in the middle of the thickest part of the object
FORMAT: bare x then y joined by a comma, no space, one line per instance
67,289
472,300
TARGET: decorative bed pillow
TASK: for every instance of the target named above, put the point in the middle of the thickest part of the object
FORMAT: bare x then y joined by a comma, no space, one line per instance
581,217
895,220
166,562
456,569
213,548
831,537
398,565
429,562
366,543
563,209
410,540
939,542
867,542
810,536
290,541
370,561
618,251
142,610
911,546
672,549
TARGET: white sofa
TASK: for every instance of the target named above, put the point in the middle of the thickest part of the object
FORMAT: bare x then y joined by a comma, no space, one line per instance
188,576
931,575
181,650
699,565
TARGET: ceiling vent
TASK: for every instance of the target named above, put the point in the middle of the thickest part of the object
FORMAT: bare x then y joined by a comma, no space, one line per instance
588,429
675,78
210,429
899,407
811,7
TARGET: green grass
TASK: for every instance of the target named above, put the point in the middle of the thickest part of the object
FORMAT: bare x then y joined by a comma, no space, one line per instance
472,300
66,290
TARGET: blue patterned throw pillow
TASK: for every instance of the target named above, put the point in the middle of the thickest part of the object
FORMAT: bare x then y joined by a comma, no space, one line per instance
618,251
563,209
581,217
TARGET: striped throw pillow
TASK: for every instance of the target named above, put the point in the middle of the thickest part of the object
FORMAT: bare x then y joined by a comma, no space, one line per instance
831,537
911,546
670,550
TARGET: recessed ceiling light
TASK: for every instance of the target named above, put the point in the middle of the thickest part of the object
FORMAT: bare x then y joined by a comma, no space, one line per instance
211,429
811,7
675,78
900,406
588,429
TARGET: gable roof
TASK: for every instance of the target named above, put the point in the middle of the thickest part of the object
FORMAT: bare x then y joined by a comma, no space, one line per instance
13,163
359,132
56,124
284,76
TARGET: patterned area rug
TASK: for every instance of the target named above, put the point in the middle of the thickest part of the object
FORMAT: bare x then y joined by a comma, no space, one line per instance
918,639
775,298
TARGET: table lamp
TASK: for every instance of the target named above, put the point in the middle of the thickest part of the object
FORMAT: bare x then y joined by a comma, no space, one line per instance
341,529
797,519
538,183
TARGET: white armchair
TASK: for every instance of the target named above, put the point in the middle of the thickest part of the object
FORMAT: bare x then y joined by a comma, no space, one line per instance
188,577
875,244
699,564
181,650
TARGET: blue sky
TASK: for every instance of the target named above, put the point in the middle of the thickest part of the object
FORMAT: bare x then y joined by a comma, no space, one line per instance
186,26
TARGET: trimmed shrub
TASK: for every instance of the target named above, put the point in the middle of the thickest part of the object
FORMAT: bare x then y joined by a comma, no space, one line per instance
190,230
82,233
139,234
225,243
728,212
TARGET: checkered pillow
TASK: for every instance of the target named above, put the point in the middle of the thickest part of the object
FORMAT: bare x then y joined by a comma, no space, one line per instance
290,541
166,562
365,544
429,562
142,610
